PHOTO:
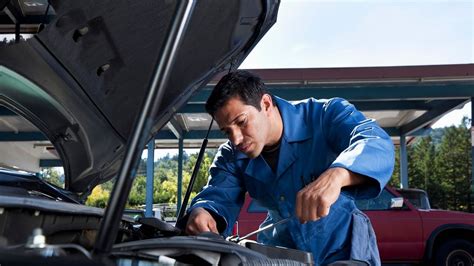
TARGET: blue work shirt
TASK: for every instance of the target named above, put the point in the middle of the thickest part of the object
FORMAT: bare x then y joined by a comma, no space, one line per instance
317,135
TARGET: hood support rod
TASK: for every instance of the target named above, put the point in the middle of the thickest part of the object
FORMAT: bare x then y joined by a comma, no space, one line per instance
109,226
193,178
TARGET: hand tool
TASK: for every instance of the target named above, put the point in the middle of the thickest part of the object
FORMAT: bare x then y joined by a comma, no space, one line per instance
266,227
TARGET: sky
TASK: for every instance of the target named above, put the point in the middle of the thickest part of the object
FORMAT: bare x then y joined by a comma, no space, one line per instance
335,33
352,33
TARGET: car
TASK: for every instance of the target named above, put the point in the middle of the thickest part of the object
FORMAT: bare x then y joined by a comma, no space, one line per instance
417,197
99,81
408,231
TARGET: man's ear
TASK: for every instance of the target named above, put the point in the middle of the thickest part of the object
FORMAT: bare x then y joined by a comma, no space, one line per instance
266,102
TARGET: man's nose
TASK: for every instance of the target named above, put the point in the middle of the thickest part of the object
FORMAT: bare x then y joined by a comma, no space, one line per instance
236,137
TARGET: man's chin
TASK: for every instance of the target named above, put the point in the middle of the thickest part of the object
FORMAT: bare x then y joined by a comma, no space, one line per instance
252,154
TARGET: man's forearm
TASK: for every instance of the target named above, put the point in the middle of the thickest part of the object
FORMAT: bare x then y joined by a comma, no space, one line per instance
348,178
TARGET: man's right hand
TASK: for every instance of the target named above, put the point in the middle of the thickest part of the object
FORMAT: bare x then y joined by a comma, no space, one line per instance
200,221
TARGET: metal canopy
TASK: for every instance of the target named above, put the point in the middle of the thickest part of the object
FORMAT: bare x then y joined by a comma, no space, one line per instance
405,100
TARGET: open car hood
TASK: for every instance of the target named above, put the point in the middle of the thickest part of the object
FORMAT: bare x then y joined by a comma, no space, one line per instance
82,80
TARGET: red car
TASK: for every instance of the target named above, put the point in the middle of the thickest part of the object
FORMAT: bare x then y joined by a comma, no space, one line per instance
407,229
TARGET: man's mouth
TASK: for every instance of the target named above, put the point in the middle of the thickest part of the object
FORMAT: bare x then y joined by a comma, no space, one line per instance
244,148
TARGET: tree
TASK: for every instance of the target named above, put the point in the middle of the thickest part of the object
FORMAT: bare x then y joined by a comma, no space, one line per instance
453,165
203,174
165,186
52,176
137,192
168,189
395,179
98,198
440,164
422,162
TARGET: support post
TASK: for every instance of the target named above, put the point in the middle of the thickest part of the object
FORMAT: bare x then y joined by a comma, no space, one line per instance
403,162
17,32
150,178
471,196
180,173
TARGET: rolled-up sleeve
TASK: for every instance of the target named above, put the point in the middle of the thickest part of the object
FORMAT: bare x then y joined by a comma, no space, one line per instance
363,146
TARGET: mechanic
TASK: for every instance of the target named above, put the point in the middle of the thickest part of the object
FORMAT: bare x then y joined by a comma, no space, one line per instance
307,160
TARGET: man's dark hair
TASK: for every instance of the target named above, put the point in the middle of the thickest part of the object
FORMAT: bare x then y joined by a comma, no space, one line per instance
248,87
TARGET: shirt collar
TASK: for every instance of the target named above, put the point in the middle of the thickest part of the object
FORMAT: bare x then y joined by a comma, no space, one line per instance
294,124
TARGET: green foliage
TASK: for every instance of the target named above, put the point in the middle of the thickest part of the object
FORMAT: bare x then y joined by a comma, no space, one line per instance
422,163
165,185
453,169
138,191
395,180
98,198
52,176
440,163
203,173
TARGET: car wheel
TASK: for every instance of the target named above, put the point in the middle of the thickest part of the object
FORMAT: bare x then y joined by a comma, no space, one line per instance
455,253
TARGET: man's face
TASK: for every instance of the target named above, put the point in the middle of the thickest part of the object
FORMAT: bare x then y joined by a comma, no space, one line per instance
245,126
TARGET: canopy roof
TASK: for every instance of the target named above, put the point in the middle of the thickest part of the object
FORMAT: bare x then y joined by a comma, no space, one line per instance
405,100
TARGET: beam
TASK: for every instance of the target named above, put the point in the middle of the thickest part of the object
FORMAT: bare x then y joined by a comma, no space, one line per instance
50,163
395,132
163,134
167,135
3,4
351,92
430,116
27,20
22,136
217,134
360,105
195,134
24,28
14,12
174,126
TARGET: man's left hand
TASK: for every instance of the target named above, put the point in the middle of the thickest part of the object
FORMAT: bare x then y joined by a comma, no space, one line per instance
314,200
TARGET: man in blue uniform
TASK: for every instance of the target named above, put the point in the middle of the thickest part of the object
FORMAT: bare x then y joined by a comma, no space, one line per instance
307,160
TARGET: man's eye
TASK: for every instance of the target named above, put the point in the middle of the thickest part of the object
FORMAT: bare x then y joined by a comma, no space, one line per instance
242,123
